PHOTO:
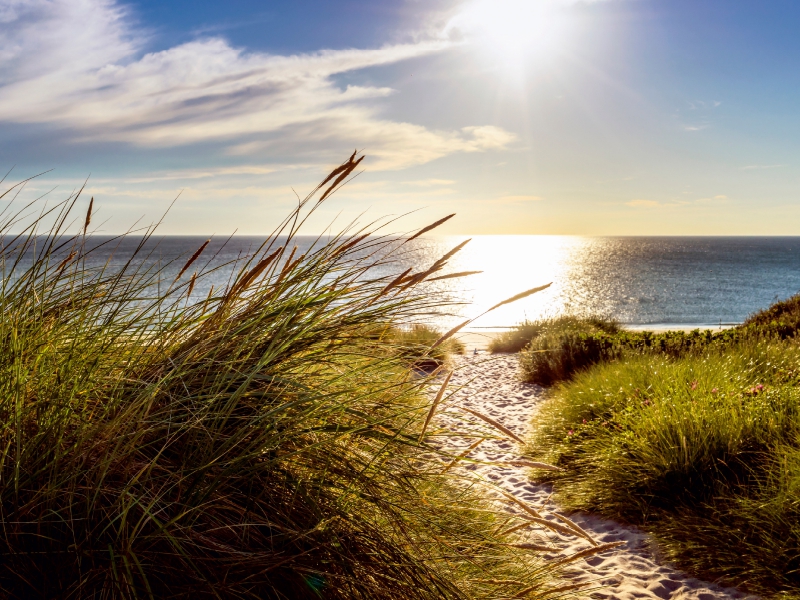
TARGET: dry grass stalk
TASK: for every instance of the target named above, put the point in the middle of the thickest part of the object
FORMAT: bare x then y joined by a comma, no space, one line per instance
208,298
346,169
65,262
191,284
453,275
463,455
553,526
536,547
589,552
530,464
453,252
434,225
576,528
495,424
450,333
338,169
88,216
252,274
348,245
296,262
519,296
551,591
497,581
435,267
394,283
436,401
193,258
287,267
517,527
523,505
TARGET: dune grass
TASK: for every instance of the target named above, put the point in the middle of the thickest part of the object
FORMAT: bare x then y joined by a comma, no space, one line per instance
557,349
264,443
702,449
520,336
782,319
415,343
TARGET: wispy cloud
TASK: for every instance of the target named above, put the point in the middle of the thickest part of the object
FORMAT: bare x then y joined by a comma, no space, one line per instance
79,65
642,203
700,113
521,199
759,167
718,199
703,104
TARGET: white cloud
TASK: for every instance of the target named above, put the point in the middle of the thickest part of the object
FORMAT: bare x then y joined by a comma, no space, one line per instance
78,65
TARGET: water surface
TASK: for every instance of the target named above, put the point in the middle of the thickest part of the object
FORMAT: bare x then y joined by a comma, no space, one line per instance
641,281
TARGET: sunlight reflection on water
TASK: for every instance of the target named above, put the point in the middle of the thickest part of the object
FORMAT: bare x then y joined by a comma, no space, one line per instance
639,281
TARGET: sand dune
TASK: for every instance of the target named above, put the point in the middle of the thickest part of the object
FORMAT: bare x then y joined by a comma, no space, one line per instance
634,570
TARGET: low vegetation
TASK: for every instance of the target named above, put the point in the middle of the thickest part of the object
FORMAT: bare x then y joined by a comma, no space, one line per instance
695,437
415,343
520,336
555,349
268,442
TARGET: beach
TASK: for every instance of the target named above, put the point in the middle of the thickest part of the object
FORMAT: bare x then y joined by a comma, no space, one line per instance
488,384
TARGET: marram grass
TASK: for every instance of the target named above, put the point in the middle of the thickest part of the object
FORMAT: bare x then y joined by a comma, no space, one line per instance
264,443
702,450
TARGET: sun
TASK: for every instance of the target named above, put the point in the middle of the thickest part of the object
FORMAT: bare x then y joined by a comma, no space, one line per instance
516,32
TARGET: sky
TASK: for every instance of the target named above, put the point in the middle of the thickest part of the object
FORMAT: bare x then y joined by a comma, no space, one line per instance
565,117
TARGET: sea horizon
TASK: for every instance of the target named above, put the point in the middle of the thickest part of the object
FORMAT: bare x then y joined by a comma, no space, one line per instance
641,281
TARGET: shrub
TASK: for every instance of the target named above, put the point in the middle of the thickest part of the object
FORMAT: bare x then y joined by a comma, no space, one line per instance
553,357
519,336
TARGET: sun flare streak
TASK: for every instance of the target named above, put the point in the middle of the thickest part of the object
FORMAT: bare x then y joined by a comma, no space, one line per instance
515,31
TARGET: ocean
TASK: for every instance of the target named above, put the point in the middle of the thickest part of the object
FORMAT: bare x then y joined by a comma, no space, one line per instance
641,281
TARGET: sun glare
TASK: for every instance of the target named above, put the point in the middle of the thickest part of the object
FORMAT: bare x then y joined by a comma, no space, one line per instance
516,31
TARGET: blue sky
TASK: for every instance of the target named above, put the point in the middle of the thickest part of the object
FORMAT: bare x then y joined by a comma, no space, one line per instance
610,117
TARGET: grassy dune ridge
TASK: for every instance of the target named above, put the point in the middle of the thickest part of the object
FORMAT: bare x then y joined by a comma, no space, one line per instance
695,437
264,443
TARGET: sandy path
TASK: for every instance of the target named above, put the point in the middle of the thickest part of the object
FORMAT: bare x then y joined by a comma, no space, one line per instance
488,385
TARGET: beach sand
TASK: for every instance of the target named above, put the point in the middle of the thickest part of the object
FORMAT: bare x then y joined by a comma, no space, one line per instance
488,384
